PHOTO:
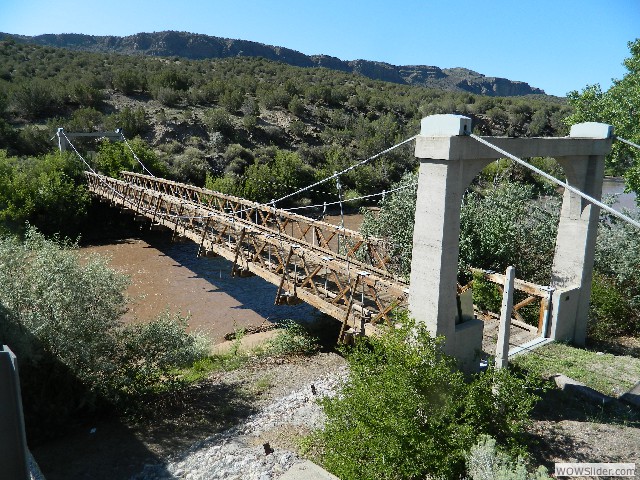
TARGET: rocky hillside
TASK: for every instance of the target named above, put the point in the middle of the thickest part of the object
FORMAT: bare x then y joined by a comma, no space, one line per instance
196,46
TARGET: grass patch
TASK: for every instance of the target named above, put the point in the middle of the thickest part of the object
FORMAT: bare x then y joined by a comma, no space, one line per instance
609,374
292,339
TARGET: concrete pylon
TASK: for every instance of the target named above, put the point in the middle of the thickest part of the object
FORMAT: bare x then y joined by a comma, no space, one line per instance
442,180
575,243
449,161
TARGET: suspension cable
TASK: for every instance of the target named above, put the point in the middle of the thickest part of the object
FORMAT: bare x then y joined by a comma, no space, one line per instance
379,194
348,169
135,156
628,142
77,152
272,202
590,199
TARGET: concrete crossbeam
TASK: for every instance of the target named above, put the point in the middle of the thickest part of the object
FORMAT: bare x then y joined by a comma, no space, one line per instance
466,148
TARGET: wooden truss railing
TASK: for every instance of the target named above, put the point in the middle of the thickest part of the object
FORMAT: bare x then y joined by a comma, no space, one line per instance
534,294
331,239
336,270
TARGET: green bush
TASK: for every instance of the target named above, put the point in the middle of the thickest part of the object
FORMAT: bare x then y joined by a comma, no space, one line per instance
150,355
115,157
133,122
218,120
615,297
45,191
610,313
292,339
486,294
395,222
406,412
60,314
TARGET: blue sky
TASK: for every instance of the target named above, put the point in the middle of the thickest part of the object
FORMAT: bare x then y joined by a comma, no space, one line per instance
558,45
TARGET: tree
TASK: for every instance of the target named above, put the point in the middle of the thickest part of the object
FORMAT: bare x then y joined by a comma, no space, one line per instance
115,157
503,225
619,106
45,191
60,313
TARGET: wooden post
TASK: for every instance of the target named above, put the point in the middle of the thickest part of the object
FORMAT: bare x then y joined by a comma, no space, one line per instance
502,348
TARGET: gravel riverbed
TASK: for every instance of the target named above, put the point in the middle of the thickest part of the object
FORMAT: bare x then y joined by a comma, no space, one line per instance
239,452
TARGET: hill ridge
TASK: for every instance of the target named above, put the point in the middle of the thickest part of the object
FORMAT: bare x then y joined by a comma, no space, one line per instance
199,46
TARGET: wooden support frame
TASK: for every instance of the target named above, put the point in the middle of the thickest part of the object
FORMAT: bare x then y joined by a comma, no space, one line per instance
260,246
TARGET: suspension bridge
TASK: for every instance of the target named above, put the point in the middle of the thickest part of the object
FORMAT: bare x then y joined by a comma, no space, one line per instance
349,276
336,270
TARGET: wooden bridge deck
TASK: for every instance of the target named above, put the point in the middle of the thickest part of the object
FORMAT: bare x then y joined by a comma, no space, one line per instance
336,270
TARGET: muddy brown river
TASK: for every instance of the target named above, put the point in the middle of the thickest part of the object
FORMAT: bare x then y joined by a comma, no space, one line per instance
169,275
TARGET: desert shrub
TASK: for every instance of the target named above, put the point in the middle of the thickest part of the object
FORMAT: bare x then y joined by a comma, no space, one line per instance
128,81
132,121
232,100
86,93
407,412
292,339
32,140
250,122
37,98
167,96
189,167
486,462
8,135
60,314
218,120
296,106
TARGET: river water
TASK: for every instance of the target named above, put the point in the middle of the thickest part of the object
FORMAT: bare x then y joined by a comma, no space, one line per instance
615,187
168,275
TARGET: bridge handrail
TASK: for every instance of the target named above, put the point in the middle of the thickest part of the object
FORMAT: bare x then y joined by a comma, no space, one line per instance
265,207
375,247
120,187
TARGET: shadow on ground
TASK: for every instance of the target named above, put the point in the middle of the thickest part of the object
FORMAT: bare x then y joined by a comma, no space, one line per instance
569,427
253,293
120,448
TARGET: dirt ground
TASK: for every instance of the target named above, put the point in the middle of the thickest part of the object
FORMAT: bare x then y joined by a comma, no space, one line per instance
564,428
112,449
